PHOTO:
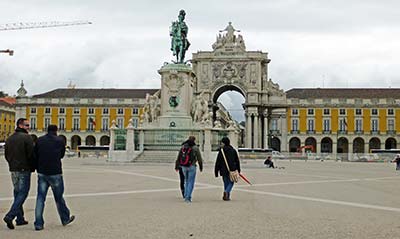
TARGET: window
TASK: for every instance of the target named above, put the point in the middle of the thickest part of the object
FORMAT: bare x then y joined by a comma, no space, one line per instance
310,125
75,125
91,111
358,125
295,124
274,124
76,110
374,125
342,111
374,112
310,111
390,112
390,124
342,125
327,112
120,123
33,110
358,112
61,124
47,110
135,123
327,124
120,111
105,111
105,124
295,112
62,110
90,124
33,123
135,111
46,123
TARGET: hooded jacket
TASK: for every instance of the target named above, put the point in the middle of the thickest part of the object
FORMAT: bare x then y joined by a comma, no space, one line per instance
231,157
196,155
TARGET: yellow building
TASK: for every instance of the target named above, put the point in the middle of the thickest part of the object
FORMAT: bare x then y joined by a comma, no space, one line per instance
343,120
7,117
83,116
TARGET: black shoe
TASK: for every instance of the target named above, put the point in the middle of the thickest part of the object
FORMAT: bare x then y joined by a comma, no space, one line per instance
38,228
22,223
9,223
71,219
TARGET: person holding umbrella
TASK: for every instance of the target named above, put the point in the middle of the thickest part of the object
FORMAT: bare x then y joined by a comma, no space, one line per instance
227,162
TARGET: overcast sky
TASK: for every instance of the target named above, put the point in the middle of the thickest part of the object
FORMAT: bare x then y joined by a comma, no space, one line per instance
312,43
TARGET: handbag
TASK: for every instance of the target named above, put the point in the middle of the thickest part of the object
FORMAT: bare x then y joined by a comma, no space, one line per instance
233,175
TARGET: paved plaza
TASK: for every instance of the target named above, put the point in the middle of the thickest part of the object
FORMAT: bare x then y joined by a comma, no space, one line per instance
305,200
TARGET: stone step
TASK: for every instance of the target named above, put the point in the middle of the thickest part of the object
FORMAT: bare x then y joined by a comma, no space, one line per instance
156,156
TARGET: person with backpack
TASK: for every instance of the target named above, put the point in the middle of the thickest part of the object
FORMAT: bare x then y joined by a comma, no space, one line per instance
227,161
188,156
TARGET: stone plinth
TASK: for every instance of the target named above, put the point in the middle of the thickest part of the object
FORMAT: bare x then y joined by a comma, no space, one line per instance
176,95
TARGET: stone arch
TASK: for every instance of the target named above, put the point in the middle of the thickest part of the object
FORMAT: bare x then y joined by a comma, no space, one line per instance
358,145
343,145
105,140
374,143
311,141
90,140
276,144
326,145
390,143
294,144
75,141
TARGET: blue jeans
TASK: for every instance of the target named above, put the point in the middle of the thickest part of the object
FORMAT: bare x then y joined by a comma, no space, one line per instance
21,183
190,176
397,165
228,184
56,183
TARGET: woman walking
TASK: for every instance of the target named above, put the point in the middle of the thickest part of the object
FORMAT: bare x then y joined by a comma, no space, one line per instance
227,161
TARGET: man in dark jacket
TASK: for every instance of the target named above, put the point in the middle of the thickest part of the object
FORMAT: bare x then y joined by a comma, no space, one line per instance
189,171
49,150
232,159
18,152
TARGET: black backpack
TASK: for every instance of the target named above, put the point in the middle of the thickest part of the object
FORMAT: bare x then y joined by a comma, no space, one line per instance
186,158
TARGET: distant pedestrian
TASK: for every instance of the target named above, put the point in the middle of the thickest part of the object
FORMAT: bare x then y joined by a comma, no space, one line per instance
228,153
397,161
188,156
18,152
49,150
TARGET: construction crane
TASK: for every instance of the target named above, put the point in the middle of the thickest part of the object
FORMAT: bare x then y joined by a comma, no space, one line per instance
30,25
10,52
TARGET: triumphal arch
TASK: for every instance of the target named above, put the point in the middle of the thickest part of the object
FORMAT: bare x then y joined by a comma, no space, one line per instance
230,67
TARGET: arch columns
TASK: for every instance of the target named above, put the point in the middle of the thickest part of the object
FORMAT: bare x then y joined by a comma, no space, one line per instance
248,130
266,130
256,130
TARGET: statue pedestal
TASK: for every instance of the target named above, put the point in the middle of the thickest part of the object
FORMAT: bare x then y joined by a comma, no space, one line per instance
176,95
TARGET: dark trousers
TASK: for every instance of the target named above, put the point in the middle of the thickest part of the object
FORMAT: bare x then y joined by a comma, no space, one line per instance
182,181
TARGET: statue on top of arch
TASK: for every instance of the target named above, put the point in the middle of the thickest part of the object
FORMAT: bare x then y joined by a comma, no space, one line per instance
229,39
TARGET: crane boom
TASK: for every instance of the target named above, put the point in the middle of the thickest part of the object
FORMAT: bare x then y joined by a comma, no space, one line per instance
29,25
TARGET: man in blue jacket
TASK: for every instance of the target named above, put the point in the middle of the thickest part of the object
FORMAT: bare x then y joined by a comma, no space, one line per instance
49,150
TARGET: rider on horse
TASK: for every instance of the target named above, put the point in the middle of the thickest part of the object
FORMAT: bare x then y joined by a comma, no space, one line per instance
179,42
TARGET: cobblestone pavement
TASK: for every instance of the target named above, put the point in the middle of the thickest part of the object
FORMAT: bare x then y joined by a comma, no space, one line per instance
304,200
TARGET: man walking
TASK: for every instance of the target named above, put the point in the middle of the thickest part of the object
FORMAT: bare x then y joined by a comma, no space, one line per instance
49,150
188,155
18,152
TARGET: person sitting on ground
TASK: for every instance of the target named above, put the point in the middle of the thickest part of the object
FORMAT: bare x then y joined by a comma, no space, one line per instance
268,162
